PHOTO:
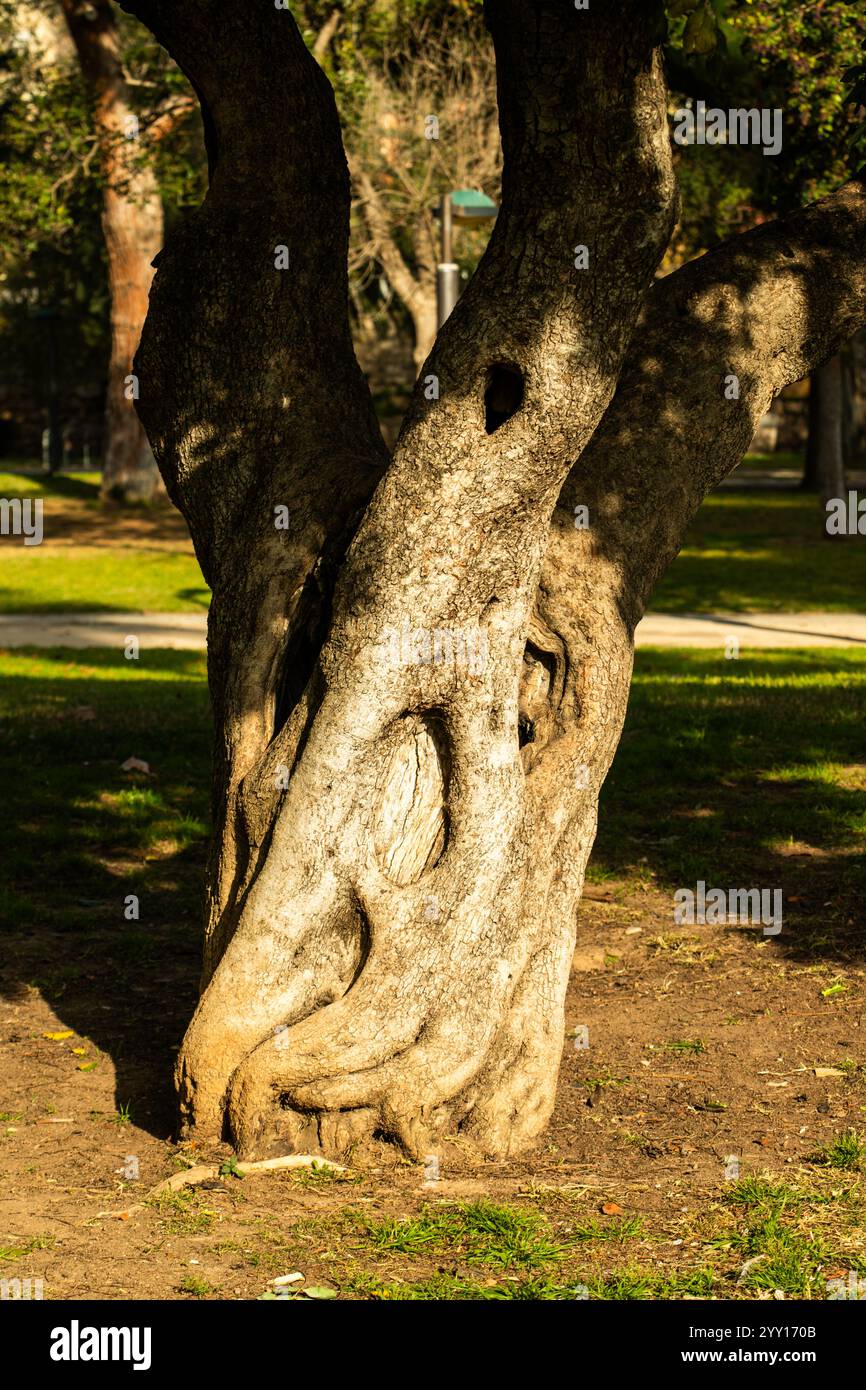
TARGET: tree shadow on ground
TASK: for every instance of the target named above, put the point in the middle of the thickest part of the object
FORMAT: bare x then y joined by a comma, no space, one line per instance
746,773
741,773
83,837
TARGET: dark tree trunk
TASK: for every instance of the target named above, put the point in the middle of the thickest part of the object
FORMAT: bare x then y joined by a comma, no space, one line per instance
828,446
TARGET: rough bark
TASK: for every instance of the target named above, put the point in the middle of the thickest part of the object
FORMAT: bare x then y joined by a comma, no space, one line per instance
400,843
132,224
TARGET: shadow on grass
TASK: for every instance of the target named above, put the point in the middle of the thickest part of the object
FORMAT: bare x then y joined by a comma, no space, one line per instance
742,774
764,551
12,605
34,482
82,836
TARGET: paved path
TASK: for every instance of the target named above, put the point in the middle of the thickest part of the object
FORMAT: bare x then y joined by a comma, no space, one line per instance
752,629
188,630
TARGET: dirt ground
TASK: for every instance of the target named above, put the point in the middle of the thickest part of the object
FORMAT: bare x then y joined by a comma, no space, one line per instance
714,1054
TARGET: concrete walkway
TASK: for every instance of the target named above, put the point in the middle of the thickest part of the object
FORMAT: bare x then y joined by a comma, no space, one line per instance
188,630
752,629
178,630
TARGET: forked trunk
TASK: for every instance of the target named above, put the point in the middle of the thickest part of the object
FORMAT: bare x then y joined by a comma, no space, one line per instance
420,667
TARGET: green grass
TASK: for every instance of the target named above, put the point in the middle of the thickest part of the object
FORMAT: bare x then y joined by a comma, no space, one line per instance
723,766
26,1247
91,577
728,769
759,549
451,1288
82,579
763,551
86,834
479,1233
82,486
788,1239
847,1150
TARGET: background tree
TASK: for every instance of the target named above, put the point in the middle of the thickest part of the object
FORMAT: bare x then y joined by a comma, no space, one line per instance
393,67
91,164
132,222
401,832
799,58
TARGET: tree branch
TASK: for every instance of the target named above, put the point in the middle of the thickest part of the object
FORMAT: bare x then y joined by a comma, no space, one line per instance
169,116
326,34
385,247
720,338
263,332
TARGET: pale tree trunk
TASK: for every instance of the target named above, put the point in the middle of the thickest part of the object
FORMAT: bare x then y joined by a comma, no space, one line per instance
132,223
420,685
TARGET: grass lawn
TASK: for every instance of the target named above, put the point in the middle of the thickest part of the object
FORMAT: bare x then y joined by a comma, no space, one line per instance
749,550
97,559
763,551
86,579
740,773
727,769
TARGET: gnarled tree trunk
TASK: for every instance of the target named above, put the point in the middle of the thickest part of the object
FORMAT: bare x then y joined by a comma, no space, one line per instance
419,686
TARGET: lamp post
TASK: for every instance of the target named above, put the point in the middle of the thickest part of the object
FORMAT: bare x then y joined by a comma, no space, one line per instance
462,205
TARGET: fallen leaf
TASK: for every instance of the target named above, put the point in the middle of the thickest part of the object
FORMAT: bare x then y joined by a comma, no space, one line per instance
87,1066
828,1071
611,1209
318,1291
135,765
78,1051
58,1037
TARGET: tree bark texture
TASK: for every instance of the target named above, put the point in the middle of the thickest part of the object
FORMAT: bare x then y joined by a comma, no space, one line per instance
419,686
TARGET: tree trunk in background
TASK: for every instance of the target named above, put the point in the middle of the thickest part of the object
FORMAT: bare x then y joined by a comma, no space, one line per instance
132,222
829,428
827,431
809,481
419,686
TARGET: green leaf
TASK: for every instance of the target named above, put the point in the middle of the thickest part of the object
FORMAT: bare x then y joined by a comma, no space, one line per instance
319,1291
230,1169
